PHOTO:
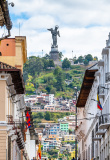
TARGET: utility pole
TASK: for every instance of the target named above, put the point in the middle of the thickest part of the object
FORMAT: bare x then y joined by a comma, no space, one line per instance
72,54
76,127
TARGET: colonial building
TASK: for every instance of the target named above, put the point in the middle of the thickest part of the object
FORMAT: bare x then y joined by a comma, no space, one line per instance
11,113
15,139
13,51
93,130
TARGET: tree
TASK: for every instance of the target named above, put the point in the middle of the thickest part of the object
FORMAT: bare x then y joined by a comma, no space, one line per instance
86,62
48,88
60,55
60,82
88,57
80,59
76,61
47,56
51,63
70,131
47,116
30,88
53,153
53,90
57,70
46,63
66,63
41,115
68,76
33,65
39,65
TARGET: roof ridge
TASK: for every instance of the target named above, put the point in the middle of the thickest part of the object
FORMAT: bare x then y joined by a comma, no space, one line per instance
6,66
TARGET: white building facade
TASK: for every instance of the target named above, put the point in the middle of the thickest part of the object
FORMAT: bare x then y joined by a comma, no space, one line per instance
93,130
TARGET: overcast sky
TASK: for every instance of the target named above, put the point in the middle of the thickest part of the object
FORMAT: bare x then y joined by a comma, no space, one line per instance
84,25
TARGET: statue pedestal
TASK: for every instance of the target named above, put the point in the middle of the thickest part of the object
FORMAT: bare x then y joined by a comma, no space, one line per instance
54,53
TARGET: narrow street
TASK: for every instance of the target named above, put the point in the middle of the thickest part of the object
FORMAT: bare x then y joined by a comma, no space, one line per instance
54,80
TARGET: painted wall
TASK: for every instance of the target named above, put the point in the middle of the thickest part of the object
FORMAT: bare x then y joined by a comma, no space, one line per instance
14,51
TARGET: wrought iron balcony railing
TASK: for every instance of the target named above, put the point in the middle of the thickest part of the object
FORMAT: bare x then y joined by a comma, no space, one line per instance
101,89
107,77
103,120
96,128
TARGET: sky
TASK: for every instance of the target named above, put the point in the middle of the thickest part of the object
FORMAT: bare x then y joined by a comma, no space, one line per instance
84,25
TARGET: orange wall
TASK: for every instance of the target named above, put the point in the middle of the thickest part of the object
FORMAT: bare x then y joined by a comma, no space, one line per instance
7,47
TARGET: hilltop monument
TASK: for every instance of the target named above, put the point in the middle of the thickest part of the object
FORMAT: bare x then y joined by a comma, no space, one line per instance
54,53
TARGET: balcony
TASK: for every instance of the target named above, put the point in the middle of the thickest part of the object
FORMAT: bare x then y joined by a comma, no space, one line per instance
99,131
107,77
101,90
96,138
101,63
79,131
104,122
10,120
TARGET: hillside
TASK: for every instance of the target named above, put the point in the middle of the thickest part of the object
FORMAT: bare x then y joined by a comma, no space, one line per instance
47,117
58,81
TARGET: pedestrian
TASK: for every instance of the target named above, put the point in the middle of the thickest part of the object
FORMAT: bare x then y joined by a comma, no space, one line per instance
73,158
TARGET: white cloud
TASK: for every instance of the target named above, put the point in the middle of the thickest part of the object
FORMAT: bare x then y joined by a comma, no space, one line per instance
84,25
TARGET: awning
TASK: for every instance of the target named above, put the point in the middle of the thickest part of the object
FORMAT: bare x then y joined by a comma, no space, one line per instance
17,77
86,85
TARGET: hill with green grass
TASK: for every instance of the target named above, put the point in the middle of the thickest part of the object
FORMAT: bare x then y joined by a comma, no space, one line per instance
41,75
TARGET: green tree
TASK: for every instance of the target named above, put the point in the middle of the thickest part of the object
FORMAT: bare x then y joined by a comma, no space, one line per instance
60,55
30,88
47,56
41,115
57,70
46,63
70,131
80,59
39,65
86,62
88,57
66,63
53,153
48,88
47,116
76,61
51,63
60,82
53,90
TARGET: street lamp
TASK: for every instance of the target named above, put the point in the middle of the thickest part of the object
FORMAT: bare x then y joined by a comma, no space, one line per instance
12,4
76,126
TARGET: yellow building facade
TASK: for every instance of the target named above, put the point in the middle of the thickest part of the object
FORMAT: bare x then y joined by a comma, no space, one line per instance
69,138
13,51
